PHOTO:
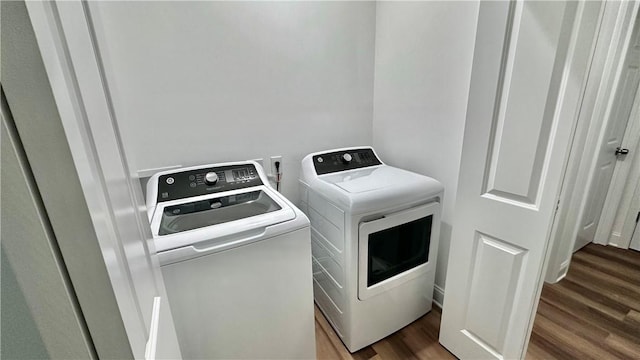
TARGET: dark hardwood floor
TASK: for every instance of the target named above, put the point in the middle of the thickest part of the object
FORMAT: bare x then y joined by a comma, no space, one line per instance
593,313
419,340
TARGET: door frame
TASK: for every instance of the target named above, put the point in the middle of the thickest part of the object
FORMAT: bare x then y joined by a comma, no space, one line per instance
37,118
612,38
31,255
631,221
116,207
54,51
616,212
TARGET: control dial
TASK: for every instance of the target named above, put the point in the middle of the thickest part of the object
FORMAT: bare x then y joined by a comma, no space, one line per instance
211,178
346,158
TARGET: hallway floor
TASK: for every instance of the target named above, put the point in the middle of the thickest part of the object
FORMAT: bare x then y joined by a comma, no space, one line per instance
593,313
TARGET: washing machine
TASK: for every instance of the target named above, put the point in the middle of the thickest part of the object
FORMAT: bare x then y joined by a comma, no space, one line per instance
236,260
374,238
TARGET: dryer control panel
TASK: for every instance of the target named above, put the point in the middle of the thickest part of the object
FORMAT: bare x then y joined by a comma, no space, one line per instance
344,160
186,184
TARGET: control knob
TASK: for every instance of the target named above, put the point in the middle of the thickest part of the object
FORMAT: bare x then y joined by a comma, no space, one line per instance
346,158
211,178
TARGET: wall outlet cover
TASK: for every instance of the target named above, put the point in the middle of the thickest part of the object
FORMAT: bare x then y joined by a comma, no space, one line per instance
273,163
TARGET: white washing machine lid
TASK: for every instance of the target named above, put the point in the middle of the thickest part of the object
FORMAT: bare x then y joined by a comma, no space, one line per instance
364,183
215,222
378,187
368,179
375,178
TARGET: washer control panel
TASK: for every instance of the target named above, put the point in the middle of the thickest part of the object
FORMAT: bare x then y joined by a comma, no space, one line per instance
185,184
344,160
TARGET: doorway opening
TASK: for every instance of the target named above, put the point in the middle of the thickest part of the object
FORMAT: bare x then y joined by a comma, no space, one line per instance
590,304
599,201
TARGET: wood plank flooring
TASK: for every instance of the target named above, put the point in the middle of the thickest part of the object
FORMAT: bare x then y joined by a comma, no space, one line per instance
418,340
594,313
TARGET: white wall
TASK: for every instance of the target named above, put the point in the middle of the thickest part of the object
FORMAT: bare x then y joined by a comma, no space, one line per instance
219,81
424,53
205,82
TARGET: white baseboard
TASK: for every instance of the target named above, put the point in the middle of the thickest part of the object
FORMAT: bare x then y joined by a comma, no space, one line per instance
564,268
562,272
438,295
615,240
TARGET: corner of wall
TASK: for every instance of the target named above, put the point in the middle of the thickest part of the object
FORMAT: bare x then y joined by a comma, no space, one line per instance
438,296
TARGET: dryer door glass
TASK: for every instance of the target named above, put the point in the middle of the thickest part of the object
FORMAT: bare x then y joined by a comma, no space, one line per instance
395,250
215,211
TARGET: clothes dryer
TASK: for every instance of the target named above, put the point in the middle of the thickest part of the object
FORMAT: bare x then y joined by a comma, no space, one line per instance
374,231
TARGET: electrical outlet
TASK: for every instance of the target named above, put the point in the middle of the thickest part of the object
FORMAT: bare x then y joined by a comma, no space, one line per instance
273,163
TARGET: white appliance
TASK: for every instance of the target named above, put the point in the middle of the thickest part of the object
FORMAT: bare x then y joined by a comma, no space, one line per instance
374,238
236,259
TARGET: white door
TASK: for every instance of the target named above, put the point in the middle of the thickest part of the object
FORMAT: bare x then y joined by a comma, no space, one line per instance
611,140
527,79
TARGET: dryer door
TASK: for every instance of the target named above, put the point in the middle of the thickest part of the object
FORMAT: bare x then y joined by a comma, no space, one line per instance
397,248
